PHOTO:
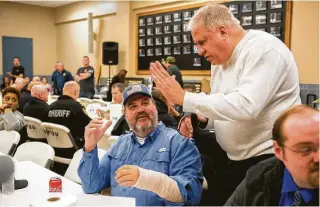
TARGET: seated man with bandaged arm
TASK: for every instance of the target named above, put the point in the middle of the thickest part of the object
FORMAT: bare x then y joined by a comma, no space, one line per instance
153,164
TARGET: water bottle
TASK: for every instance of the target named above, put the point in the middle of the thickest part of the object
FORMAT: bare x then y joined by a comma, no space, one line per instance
8,186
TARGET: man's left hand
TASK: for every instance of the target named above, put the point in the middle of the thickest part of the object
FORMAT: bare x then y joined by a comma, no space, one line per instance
169,87
127,175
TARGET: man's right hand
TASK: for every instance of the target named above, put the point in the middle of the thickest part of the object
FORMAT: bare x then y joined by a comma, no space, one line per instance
94,132
185,126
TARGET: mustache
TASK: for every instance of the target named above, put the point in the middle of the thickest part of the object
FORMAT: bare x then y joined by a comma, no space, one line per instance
142,114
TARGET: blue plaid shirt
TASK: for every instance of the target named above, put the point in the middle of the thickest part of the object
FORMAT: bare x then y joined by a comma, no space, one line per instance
164,150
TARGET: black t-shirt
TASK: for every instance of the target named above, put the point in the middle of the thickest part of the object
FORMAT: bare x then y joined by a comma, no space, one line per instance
68,112
87,85
17,71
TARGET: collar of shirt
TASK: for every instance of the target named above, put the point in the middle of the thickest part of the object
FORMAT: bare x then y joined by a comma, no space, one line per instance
289,186
152,136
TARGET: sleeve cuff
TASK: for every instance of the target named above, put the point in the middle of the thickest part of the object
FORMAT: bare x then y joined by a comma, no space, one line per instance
90,155
189,104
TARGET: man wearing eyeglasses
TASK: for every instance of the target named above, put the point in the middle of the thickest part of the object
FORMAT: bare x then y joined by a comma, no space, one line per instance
292,177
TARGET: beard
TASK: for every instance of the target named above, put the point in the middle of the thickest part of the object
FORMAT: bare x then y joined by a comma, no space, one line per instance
144,130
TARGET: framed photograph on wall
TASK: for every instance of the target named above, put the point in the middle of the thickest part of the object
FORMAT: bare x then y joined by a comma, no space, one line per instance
142,32
167,29
197,62
185,26
276,31
261,5
149,21
176,28
176,39
149,42
276,17
167,18
149,31
159,19
234,8
167,50
142,43
158,30
142,53
142,22
246,20
276,4
150,52
158,40
177,17
187,15
158,51
186,49
246,7
261,19
177,50
186,38
195,49
167,40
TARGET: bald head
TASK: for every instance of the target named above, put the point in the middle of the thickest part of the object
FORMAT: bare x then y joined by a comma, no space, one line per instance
60,67
72,89
40,92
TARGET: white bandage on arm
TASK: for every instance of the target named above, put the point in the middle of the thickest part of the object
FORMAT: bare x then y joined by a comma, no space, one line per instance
160,184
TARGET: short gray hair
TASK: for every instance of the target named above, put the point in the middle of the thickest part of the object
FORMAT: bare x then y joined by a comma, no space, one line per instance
211,16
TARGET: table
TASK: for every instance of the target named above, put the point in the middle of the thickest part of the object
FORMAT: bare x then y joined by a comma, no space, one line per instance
38,179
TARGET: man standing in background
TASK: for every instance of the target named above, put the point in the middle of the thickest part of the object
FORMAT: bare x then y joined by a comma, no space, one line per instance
85,77
17,70
173,69
59,78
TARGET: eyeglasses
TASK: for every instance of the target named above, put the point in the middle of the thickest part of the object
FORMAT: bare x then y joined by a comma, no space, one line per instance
303,151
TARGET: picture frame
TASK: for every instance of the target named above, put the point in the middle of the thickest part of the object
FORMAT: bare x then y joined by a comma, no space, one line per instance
167,50
167,18
246,20
176,39
149,31
167,40
149,42
158,30
167,29
142,53
275,17
195,49
186,38
186,49
176,28
185,26
158,51
142,32
149,21
261,5
261,19
158,41
246,7
177,50
159,19
177,17
150,52
187,15
197,62
276,31
275,4
142,42
234,8
142,22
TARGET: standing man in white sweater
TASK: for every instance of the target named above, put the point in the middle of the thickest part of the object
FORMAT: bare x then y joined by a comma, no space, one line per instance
254,78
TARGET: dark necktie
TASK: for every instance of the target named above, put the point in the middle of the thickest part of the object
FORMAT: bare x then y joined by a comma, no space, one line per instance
297,199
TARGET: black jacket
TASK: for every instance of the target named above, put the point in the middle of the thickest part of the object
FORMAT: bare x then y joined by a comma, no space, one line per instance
163,113
24,99
35,108
68,112
262,186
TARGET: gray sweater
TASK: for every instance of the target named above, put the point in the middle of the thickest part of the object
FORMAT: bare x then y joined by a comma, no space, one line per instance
12,121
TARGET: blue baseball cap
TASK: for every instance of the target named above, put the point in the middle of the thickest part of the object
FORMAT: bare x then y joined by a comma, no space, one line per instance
134,90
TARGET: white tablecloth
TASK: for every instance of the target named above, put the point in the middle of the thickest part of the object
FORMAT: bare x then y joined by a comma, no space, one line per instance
38,188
